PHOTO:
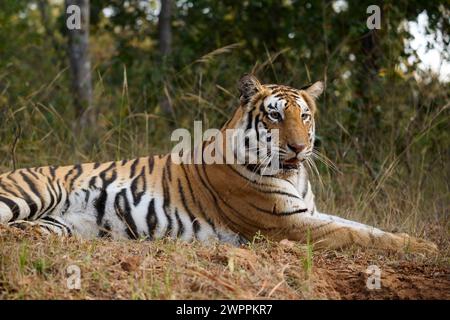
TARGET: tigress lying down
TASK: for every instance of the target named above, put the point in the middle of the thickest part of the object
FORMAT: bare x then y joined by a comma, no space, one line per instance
153,197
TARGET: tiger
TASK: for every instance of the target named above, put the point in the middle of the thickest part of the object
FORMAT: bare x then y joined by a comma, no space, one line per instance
156,197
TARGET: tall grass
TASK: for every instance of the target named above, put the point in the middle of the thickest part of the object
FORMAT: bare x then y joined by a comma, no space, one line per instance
393,174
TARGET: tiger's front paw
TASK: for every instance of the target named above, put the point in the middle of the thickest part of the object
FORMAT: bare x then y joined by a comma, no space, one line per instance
417,245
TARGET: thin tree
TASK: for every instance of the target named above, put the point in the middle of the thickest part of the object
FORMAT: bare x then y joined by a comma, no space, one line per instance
165,46
80,64
58,57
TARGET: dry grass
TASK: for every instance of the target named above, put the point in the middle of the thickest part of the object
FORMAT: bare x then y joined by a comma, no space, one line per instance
34,267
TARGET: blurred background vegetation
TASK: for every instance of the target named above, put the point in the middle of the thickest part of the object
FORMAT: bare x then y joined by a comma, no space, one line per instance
383,120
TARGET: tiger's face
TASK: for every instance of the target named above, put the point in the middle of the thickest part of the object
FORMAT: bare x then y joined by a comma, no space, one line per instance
290,111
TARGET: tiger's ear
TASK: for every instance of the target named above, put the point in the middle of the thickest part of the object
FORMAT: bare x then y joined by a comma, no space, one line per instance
248,87
314,90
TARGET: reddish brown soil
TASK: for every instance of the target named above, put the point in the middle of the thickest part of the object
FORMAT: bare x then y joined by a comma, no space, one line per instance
342,277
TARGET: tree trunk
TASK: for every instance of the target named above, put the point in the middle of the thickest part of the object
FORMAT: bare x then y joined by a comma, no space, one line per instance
58,57
80,66
164,28
165,47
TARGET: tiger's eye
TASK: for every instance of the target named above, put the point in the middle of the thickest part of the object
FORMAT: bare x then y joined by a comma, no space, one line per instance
275,115
305,116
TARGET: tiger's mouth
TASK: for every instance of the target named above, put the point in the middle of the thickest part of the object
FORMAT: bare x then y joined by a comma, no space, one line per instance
292,163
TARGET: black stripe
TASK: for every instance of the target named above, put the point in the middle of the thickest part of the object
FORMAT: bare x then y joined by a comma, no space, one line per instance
151,219
50,206
52,171
78,173
33,189
92,182
168,167
263,110
194,220
25,196
57,193
151,164
100,202
87,194
306,86
280,214
247,147
50,219
249,119
53,198
256,127
111,166
57,223
8,191
123,211
257,136
216,205
133,168
68,173
256,184
66,206
46,228
138,181
206,186
191,192
14,207
105,231
166,202
180,224
32,173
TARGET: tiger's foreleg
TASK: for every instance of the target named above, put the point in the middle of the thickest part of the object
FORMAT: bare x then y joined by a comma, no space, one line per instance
46,226
327,231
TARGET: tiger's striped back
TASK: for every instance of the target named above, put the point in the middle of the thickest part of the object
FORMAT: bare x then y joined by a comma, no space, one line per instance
148,197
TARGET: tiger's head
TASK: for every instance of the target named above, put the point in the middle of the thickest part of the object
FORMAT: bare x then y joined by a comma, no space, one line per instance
264,108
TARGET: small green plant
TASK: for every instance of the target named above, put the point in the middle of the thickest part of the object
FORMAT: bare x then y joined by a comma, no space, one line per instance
168,282
23,256
308,260
258,238
40,265
155,291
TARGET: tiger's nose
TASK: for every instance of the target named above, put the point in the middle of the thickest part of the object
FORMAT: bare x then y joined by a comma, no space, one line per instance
297,147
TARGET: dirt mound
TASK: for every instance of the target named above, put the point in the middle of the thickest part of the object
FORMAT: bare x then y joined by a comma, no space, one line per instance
344,277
